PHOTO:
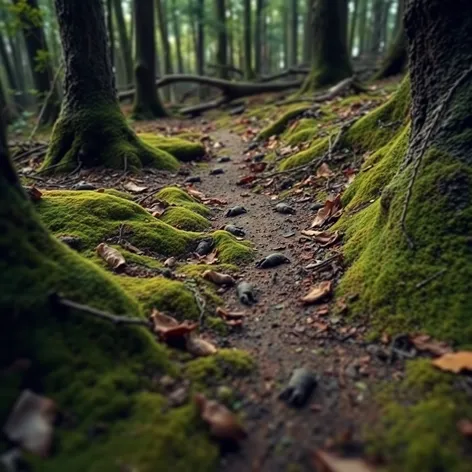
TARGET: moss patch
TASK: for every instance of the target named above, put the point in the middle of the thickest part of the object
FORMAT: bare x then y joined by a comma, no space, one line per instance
278,126
417,431
232,251
180,148
178,197
317,149
182,218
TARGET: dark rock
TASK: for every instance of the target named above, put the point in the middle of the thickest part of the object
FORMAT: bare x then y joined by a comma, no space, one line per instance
217,171
235,231
193,179
235,211
316,206
258,157
246,293
84,186
223,159
286,184
300,386
73,242
204,247
273,260
251,147
284,209
178,397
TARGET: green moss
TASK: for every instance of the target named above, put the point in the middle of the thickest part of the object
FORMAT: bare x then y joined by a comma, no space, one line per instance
178,197
195,270
232,251
118,193
94,217
226,363
182,218
417,429
317,149
180,148
166,295
378,127
278,126
99,135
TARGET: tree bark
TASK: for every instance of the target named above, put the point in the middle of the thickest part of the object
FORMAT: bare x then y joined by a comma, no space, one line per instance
125,44
178,40
147,104
40,62
91,129
363,30
248,73
111,32
166,50
397,58
331,58
355,15
258,37
222,37
377,12
308,32
293,33
200,53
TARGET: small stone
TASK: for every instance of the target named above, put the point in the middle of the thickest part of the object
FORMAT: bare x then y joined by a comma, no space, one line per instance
298,350
217,171
73,242
316,206
223,159
84,186
284,209
193,179
258,157
178,397
167,381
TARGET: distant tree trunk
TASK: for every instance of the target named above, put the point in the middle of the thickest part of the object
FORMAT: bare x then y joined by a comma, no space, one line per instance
176,16
308,32
40,63
147,104
385,17
258,37
331,59
293,33
230,32
91,129
111,31
247,40
377,12
166,51
53,36
125,44
352,34
222,38
363,30
12,82
7,111
200,56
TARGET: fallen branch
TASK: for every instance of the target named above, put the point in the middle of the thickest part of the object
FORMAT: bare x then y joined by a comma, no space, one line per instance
426,281
285,73
227,67
56,300
437,114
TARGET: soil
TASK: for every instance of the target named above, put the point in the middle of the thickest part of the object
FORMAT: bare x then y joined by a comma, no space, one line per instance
281,333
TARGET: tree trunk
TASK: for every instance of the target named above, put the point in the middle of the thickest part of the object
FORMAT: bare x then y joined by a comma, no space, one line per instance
397,58
111,32
200,56
308,32
12,82
178,40
40,63
293,33
355,15
248,73
363,30
91,129
331,58
258,37
147,104
222,38
377,12
125,44
166,51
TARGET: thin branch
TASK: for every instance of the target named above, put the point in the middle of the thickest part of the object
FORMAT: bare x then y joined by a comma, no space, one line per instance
430,279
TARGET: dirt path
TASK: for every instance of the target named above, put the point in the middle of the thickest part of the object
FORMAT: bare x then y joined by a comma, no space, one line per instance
283,335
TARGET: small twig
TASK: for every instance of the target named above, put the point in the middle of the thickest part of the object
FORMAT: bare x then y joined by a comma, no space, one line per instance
77,169
324,263
429,279
437,114
120,236
56,299
28,153
191,285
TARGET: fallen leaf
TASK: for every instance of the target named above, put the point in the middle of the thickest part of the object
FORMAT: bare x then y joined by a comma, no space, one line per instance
326,462
231,318
30,423
214,201
246,180
350,175
199,347
324,171
129,247
196,194
223,423
167,327
111,256
158,209
454,362
321,291
33,193
322,310
218,278
211,258
258,167
323,238
424,342
465,427
134,188
331,209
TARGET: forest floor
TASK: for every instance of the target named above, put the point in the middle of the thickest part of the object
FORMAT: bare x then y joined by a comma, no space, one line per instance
281,332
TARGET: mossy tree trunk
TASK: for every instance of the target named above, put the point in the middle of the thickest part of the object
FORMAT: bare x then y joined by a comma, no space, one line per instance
331,59
147,104
397,58
39,59
222,38
125,45
91,130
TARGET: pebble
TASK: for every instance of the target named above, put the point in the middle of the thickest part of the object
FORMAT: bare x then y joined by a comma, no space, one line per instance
84,186
316,206
235,230
217,171
284,209
204,247
193,179
223,159
73,242
299,388
235,211
273,260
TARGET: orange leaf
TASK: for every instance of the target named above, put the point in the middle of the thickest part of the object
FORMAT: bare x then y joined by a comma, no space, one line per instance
169,328
111,256
324,171
327,462
218,278
246,180
322,290
223,423
331,208
424,342
33,193
195,193
454,362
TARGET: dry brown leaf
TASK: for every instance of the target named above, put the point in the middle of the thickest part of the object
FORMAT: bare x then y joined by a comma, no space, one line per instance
258,167
111,256
167,327
246,180
464,426
318,293
214,201
218,278
196,194
231,318
199,347
424,342
454,362
158,209
322,310
134,188
30,423
331,209
33,193
211,258
129,247
323,238
328,462
223,423
324,171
